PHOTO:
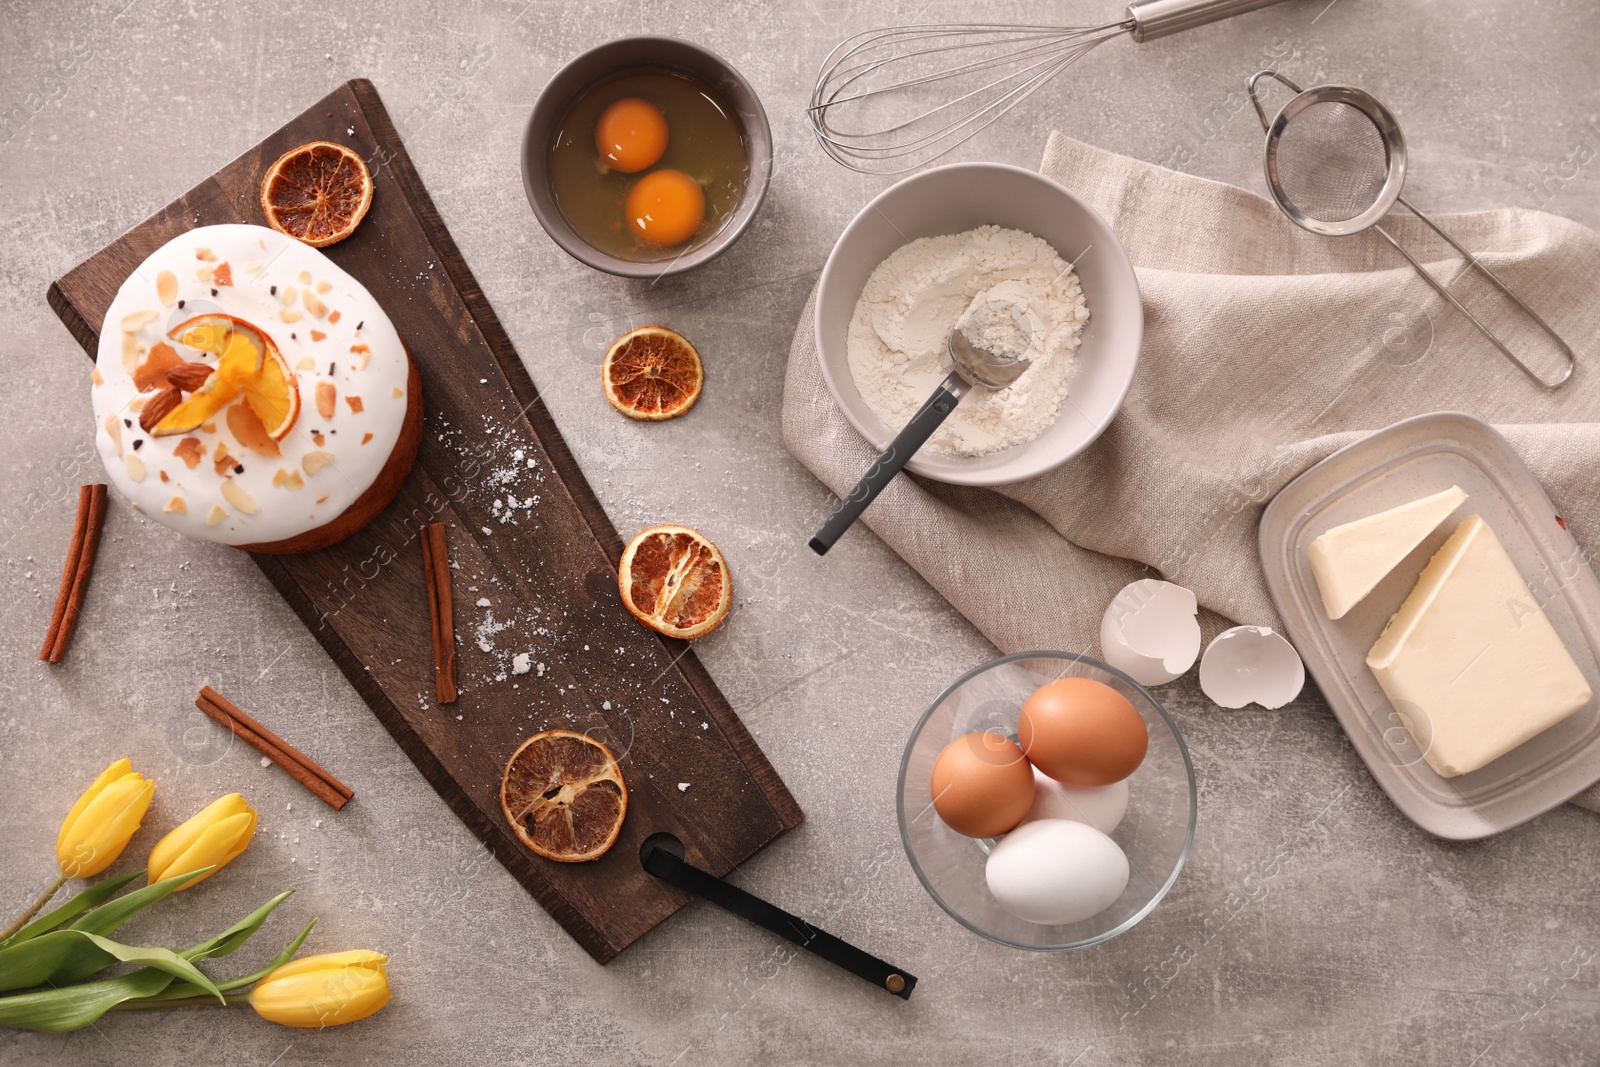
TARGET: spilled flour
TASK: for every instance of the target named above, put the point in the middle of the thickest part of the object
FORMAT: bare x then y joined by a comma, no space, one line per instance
1032,305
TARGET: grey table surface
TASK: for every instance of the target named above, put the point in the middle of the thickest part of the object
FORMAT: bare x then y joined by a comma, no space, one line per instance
1313,924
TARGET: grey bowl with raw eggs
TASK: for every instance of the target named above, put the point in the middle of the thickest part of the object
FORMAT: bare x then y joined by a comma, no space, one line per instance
646,156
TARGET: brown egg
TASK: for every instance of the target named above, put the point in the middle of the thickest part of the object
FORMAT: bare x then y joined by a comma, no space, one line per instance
1082,732
982,785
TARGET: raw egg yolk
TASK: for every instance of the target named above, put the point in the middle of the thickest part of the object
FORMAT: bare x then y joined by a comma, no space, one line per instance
665,207
631,134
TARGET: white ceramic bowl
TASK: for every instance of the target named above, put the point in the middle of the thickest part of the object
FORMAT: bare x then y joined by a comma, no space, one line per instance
960,197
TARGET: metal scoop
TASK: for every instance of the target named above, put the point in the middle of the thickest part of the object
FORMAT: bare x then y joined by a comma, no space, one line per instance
974,367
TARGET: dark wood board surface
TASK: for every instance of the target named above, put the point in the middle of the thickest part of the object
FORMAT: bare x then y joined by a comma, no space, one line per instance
525,532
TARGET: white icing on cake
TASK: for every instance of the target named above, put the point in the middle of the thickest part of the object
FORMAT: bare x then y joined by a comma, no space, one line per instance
326,462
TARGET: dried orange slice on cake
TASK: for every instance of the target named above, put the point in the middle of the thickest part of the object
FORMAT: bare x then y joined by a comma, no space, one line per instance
675,581
317,193
652,373
563,794
273,396
249,367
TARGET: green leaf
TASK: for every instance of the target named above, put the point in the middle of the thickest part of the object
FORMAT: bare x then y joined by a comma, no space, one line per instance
73,1007
37,960
278,961
62,957
168,978
237,934
105,919
179,990
92,897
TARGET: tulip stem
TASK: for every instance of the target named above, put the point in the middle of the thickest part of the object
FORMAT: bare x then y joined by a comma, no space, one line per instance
44,898
180,1002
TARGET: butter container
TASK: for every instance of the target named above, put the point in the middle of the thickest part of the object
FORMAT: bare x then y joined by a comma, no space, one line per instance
1409,460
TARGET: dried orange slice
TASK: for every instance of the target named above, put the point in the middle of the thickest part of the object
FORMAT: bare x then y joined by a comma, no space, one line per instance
675,581
241,351
273,396
652,373
564,796
250,366
317,193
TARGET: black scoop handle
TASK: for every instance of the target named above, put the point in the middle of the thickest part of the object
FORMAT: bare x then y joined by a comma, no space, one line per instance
905,444
670,868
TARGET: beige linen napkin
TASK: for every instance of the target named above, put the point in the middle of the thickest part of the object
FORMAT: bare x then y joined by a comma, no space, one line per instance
1266,349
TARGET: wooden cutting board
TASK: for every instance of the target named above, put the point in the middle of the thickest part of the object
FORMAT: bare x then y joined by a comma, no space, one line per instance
527,535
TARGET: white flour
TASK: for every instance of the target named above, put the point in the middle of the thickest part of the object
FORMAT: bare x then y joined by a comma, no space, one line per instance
1034,307
1005,320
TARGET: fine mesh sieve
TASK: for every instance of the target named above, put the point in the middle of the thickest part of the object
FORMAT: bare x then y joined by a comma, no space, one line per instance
1331,162
1336,162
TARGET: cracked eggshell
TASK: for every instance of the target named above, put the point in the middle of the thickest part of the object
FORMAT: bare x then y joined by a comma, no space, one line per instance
1150,633
1251,664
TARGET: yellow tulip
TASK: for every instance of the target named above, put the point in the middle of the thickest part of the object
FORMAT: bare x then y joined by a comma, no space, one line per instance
99,825
213,838
317,991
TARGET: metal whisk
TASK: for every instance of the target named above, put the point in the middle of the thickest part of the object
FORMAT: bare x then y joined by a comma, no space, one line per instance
869,108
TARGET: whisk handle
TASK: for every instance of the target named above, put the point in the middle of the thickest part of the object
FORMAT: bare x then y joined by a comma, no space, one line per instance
1158,18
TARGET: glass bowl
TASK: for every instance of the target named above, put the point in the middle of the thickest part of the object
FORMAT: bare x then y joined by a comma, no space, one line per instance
1155,833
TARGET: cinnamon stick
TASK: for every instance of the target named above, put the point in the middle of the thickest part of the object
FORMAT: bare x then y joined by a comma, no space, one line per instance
296,764
75,571
436,569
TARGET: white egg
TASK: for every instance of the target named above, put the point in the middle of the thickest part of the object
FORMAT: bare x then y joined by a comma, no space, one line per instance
1056,871
1102,807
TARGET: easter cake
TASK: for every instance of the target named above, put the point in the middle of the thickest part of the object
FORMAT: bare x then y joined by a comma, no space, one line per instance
248,391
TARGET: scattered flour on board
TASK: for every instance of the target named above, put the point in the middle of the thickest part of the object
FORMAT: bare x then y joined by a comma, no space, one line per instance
511,629
487,629
922,290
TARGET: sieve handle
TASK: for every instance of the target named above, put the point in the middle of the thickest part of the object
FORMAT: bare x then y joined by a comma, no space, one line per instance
1476,264
1158,18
